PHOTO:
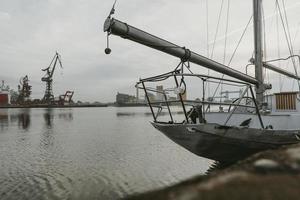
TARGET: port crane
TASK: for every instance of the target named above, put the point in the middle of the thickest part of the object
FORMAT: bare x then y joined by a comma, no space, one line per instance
48,96
4,87
24,90
66,98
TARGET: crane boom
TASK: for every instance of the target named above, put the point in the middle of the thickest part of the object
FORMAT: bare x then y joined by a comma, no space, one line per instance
57,58
116,27
50,72
48,96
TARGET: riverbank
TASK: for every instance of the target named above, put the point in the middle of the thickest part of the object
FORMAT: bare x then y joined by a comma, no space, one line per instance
273,174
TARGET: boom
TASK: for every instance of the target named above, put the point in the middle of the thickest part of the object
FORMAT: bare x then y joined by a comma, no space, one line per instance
116,27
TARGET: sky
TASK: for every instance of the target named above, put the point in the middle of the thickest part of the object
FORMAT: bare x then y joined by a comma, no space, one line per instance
32,31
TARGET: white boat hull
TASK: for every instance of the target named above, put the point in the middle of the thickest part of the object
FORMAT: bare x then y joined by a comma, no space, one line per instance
276,120
226,143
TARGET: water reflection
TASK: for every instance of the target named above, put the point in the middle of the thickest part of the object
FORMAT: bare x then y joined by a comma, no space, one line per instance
48,116
22,117
85,153
24,120
3,120
66,116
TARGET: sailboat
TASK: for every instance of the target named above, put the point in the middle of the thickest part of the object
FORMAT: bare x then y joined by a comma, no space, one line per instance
253,123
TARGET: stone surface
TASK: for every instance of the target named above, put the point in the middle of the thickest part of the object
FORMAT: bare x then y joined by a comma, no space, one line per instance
243,180
294,153
266,165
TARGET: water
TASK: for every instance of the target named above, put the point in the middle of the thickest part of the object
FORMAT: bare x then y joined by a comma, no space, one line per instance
87,153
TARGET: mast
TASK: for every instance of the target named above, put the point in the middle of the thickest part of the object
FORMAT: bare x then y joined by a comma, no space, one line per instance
258,54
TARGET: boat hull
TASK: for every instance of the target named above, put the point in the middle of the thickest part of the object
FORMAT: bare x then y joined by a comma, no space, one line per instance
226,143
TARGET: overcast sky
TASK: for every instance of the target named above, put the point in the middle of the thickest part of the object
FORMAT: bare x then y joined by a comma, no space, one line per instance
32,30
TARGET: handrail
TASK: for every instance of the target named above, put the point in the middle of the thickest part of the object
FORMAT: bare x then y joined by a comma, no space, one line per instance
165,103
202,102
173,73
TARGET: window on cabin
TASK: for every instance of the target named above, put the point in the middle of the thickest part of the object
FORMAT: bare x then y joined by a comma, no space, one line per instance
286,101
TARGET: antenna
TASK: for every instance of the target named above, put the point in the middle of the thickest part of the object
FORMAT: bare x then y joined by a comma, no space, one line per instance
112,11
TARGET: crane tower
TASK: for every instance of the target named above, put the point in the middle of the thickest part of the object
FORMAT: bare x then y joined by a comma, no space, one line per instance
24,90
48,78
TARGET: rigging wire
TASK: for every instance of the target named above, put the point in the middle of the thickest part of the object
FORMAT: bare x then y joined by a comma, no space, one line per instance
266,72
207,35
207,86
225,42
226,32
287,34
290,40
234,52
240,40
265,75
217,30
278,47
296,34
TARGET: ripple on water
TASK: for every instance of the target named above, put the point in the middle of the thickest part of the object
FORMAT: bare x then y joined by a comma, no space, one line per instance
93,154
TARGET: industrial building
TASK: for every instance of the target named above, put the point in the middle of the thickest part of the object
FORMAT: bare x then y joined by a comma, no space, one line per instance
125,98
4,94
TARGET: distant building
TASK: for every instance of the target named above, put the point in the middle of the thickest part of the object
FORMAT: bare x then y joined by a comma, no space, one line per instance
172,98
159,93
4,98
125,98
151,96
4,94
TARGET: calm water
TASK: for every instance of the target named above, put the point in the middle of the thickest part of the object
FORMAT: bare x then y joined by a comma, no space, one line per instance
87,153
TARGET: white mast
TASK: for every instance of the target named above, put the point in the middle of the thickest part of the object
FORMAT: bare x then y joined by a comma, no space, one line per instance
258,54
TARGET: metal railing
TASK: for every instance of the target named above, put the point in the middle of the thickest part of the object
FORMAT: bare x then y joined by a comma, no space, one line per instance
164,102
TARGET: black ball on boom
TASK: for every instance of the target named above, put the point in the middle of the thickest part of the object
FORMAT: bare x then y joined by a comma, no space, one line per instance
107,50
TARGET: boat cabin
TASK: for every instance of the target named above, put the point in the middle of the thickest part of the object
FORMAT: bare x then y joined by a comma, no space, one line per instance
283,102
